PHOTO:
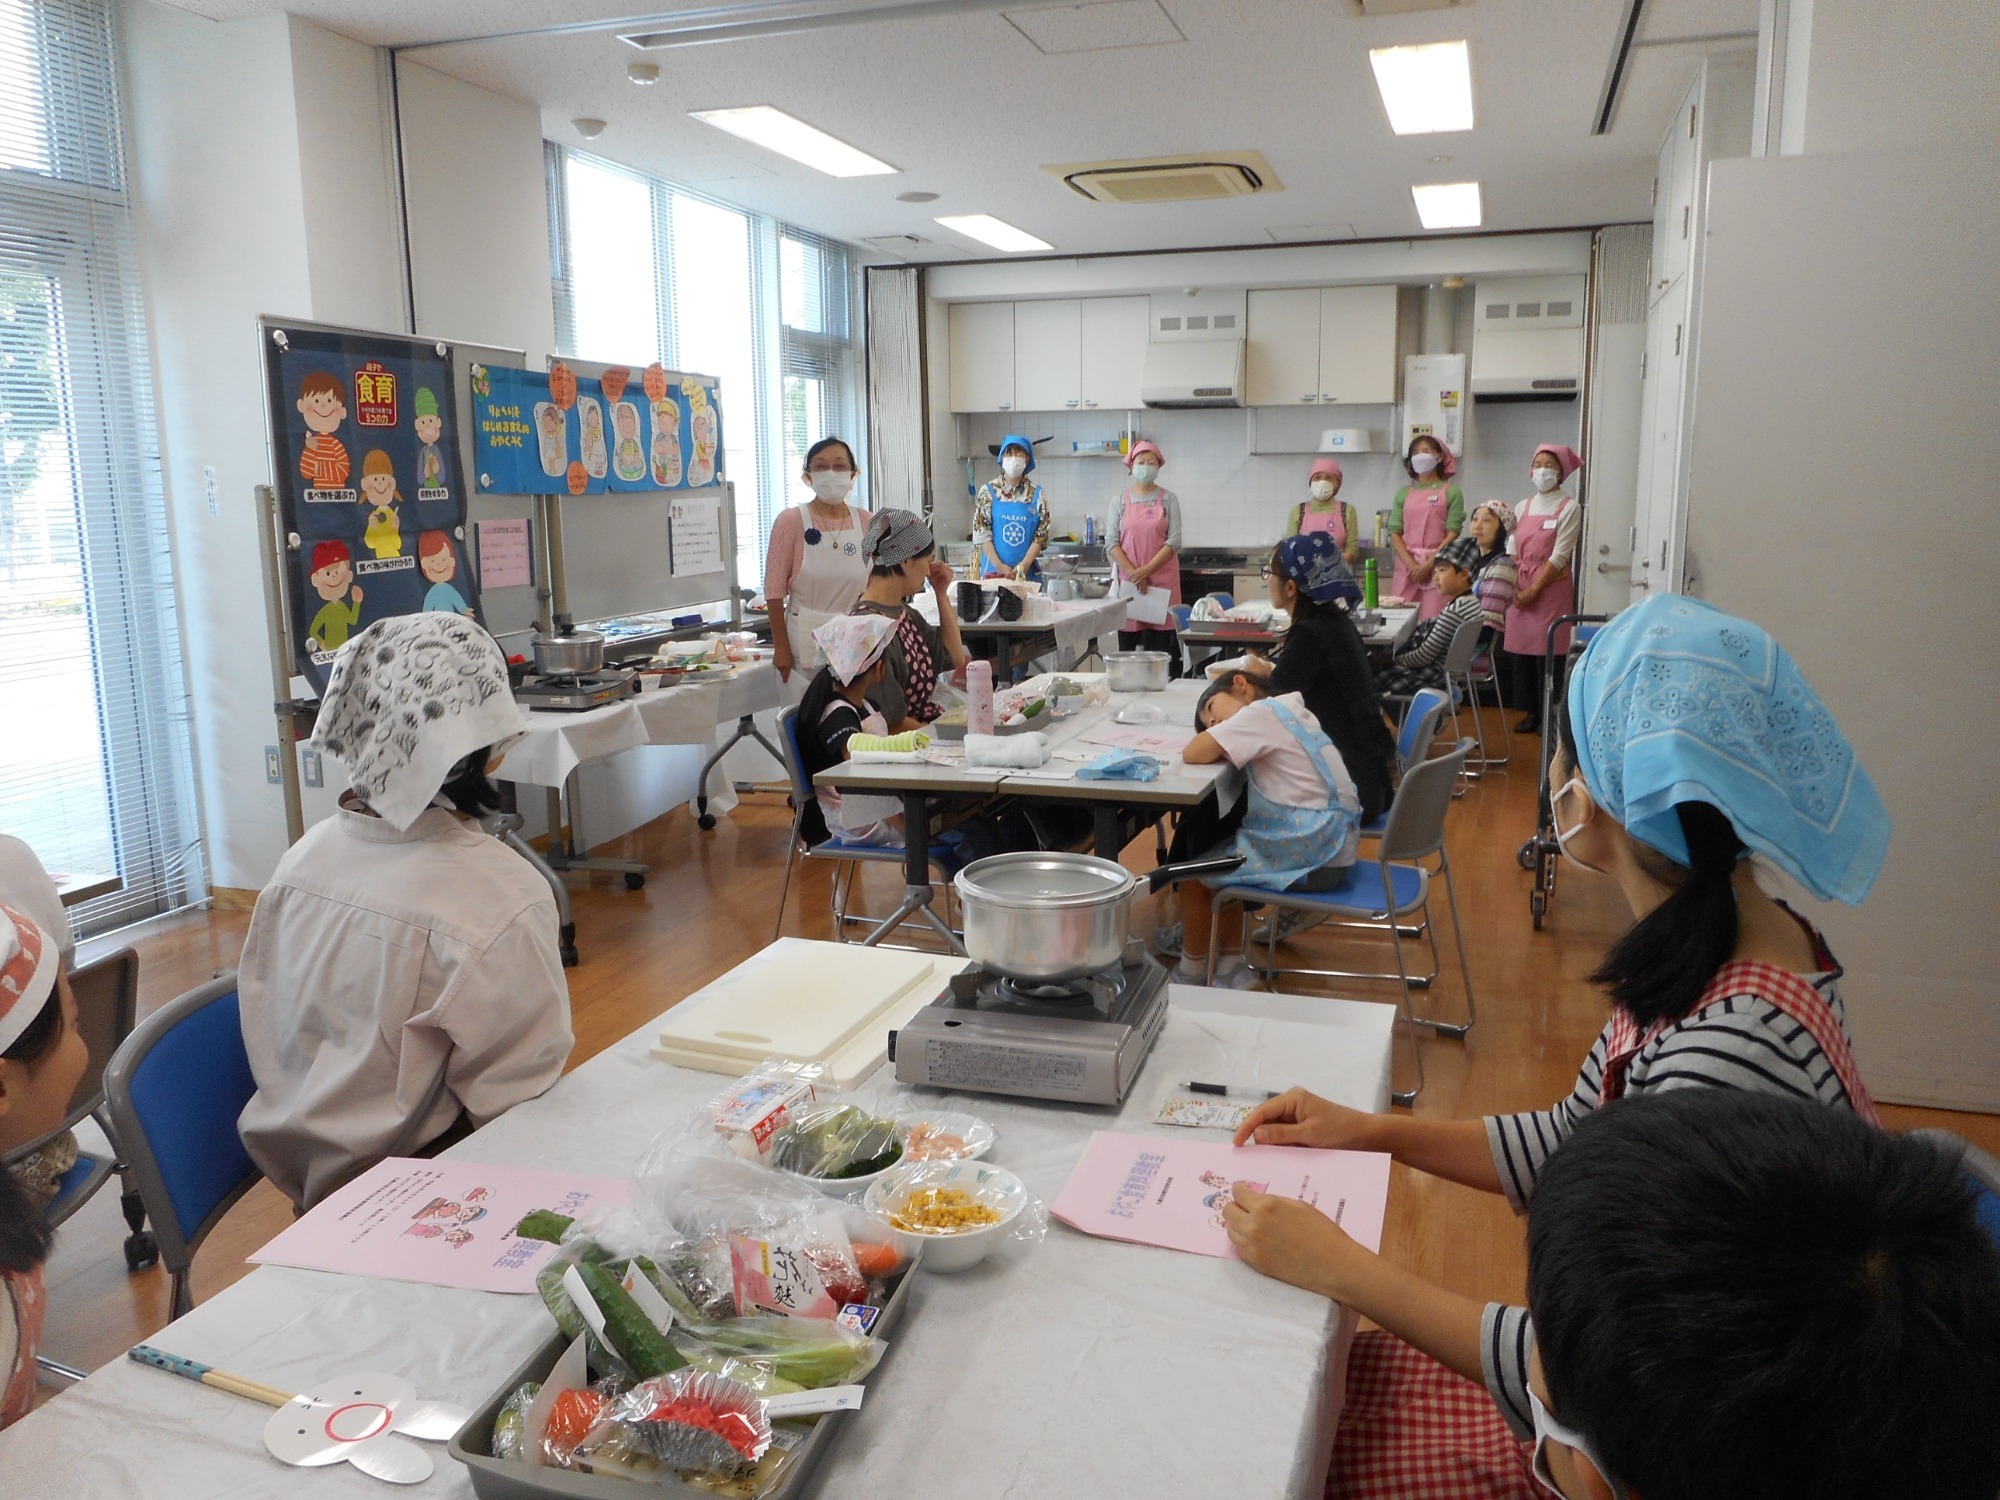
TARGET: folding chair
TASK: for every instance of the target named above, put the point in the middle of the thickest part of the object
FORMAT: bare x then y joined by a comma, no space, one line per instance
1457,670
1378,893
175,1089
1483,672
848,858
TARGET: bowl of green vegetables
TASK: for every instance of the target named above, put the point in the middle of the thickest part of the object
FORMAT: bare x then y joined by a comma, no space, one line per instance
840,1149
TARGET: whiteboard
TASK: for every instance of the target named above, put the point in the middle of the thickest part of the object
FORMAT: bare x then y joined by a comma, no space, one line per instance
615,546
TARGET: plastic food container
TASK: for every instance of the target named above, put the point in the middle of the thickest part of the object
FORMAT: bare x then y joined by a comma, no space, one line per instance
956,1250
1136,671
977,1135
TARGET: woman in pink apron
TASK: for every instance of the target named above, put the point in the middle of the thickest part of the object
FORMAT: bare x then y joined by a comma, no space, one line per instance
1428,512
1715,985
1145,534
1327,512
1546,529
813,568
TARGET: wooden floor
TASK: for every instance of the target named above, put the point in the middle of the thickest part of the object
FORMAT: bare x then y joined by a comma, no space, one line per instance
709,904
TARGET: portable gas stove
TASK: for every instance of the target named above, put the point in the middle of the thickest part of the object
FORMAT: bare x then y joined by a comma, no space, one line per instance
1078,1042
573,692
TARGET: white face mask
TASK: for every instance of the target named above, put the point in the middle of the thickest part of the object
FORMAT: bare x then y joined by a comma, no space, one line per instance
832,484
1546,479
1143,473
1423,463
1549,1430
1564,835
1013,466
1323,489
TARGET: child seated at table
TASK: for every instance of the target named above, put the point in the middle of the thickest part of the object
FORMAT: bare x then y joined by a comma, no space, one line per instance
833,711
42,1058
1301,820
1421,663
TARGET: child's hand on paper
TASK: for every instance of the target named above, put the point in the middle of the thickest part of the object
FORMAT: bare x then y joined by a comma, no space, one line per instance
1296,1118
1290,1241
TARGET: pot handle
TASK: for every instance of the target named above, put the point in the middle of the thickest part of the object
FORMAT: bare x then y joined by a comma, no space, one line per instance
1166,875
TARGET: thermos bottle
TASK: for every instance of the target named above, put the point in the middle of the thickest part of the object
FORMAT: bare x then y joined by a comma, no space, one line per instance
1371,586
979,696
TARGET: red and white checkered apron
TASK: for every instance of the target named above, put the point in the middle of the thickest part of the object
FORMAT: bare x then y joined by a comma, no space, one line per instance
1413,1430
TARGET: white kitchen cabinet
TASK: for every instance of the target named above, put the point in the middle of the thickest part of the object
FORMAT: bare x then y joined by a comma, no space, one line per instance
1048,365
1317,346
1357,345
1113,331
982,356
1281,359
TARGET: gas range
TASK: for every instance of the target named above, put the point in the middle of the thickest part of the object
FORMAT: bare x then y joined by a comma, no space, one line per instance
1079,1042
574,692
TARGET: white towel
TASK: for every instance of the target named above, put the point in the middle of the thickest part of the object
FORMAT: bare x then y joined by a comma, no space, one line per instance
1023,751
887,757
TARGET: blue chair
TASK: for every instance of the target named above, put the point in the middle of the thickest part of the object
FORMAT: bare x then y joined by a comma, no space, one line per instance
1377,894
175,1089
1980,1169
1183,615
848,857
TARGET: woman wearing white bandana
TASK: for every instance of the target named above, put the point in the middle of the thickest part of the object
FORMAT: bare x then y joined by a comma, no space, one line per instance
401,978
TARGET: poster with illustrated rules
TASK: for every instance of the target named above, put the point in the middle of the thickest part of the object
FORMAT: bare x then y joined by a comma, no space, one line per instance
365,441
555,432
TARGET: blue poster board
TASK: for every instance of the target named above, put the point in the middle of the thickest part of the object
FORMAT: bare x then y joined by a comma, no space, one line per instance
365,428
553,432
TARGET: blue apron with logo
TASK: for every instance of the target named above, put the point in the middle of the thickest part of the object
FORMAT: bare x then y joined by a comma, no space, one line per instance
1014,525
1281,844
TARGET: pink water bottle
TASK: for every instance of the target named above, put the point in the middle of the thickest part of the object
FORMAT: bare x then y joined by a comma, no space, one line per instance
978,697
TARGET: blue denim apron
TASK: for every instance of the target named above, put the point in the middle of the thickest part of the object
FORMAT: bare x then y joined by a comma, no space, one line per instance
1014,525
1282,844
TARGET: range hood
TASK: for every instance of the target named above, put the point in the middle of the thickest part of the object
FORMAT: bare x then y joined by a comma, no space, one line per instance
1193,374
1527,339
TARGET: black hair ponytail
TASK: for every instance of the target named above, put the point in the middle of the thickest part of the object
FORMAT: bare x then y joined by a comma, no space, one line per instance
1660,967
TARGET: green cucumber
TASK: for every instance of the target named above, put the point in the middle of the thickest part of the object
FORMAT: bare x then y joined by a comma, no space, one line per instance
630,1332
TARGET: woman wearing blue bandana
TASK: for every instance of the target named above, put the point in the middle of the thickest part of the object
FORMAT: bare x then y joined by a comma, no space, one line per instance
1689,742
1010,514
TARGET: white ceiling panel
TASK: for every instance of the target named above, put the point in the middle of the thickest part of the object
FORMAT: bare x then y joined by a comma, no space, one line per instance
1104,26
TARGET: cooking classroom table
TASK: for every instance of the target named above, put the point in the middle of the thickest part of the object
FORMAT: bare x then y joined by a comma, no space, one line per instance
1391,633
1072,1367
1079,624
1119,809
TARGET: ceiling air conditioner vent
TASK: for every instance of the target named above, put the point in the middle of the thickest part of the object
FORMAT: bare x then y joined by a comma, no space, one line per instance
1170,179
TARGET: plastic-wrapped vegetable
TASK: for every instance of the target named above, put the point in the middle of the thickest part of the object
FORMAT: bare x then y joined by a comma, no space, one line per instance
511,1421
807,1352
835,1142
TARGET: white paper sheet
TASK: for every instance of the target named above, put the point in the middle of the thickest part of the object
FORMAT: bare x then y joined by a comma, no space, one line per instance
506,554
694,530
1147,606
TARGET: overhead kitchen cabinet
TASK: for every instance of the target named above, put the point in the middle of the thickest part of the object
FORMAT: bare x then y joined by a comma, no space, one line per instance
982,356
1048,355
1321,346
1113,354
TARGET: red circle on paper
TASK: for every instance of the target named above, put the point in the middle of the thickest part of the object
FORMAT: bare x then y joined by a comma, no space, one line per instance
376,1423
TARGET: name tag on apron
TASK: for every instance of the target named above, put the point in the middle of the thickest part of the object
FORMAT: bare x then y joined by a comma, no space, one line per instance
1550,524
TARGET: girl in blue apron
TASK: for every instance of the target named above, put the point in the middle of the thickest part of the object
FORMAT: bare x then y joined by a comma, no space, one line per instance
1010,515
1301,819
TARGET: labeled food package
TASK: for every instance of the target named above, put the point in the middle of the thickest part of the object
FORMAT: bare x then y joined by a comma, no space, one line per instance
750,1112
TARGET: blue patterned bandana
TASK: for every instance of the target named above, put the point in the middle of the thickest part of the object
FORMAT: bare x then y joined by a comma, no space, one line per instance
1674,701
1312,560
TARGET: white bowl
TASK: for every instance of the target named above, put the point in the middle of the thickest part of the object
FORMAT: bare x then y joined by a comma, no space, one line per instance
965,1248
975,1132
849,1188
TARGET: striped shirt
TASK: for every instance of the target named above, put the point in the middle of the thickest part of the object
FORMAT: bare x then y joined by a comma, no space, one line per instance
1733,1042
1421,663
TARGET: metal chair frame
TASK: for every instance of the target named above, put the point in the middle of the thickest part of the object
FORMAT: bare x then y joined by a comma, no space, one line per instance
1471,677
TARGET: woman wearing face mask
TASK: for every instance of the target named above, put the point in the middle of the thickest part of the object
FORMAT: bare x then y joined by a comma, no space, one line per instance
1428,512
1546,527
1145,535
1325,511
1010,515
1716,984
813,569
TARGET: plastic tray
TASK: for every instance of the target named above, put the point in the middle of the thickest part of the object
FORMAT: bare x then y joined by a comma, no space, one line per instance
501,1479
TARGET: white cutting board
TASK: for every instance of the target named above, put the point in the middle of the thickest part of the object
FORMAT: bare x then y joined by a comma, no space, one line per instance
798,999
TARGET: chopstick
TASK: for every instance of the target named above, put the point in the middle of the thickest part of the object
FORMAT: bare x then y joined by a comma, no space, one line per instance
189,1369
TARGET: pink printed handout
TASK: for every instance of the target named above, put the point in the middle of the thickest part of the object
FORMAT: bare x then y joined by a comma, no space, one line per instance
449,1223
1155,1190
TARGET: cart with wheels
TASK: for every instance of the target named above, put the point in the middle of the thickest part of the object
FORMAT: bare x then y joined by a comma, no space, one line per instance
1541,853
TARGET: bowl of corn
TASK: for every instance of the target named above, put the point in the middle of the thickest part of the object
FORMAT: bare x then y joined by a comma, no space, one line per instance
946,1215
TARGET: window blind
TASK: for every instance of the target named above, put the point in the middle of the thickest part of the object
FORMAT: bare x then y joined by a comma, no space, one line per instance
94,760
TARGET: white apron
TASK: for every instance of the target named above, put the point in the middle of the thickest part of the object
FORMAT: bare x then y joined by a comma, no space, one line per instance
830,577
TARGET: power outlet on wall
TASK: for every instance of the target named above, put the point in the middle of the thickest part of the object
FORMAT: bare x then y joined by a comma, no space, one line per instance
273,769
309,767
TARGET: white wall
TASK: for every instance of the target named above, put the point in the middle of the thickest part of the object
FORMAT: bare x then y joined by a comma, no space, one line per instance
1884,76
1834,330
354,235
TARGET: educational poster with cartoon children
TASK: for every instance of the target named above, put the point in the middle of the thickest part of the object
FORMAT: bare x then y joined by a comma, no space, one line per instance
448,1223
366,443
557,432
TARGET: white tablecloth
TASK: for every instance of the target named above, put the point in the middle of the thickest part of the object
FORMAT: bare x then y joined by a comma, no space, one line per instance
557,743
1075,1367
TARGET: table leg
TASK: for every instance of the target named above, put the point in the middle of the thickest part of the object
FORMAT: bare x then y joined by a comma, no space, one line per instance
746,729
1107,832
563,852
916,900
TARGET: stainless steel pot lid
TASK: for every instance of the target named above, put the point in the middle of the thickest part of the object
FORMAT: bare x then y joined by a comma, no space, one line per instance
1044,881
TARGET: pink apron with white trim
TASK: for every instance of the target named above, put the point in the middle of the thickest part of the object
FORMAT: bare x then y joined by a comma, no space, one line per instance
1142,531
1528,629
1424,529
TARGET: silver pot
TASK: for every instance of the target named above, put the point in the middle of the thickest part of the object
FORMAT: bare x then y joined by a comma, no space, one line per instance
1136,671
1047,917
574,652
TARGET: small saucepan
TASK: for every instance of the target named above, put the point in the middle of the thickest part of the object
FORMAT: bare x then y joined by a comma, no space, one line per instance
1047,917
569,653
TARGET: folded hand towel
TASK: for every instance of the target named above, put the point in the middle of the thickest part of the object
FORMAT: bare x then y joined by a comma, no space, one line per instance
1023,751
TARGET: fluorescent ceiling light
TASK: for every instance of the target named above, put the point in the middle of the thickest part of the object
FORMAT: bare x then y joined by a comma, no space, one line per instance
1426,89
777,131
1447,205
995,232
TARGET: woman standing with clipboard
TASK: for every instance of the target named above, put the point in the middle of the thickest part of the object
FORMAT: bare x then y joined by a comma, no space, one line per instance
1145,534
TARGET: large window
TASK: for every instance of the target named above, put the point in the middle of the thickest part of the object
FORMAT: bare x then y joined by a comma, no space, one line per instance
646,270
94,770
